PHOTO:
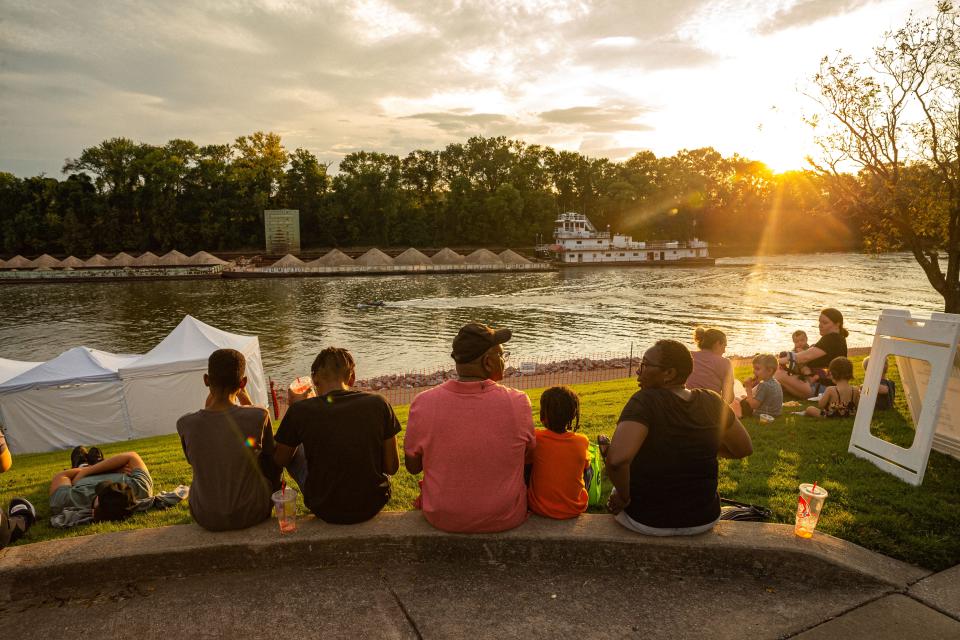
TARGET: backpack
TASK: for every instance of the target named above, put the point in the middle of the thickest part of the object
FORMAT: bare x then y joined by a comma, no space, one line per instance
593,476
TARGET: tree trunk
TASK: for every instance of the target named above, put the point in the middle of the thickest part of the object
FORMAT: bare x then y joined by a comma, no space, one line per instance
951,290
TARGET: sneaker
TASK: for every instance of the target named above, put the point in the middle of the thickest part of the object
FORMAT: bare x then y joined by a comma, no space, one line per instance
94,455
21,508
78,457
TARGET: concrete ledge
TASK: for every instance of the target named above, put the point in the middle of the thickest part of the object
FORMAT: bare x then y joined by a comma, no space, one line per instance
730,549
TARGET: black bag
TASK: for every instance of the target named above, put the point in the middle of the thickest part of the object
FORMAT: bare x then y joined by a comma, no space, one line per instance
733,510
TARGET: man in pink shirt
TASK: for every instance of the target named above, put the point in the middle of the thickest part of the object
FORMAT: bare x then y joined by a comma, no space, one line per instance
470,437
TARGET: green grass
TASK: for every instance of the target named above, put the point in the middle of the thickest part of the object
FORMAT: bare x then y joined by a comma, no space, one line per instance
867,506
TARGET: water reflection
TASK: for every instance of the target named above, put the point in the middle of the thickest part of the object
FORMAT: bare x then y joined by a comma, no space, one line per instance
583,310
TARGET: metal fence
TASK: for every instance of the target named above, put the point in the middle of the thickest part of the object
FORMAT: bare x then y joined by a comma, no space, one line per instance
523,372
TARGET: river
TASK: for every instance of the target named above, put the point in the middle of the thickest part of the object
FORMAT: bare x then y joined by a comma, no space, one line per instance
758,302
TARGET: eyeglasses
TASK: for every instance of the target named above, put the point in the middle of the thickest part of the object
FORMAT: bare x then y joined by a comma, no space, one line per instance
644,364
504,355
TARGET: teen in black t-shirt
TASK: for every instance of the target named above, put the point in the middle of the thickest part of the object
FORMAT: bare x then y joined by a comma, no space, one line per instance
349,439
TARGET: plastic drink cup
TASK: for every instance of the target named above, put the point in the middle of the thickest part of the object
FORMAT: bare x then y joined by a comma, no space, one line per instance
809,505
300,389
285,506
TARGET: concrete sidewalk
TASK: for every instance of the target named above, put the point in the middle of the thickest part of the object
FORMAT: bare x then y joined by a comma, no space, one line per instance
397,577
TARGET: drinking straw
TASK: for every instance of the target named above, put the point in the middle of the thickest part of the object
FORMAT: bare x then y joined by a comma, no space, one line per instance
283,488
814,489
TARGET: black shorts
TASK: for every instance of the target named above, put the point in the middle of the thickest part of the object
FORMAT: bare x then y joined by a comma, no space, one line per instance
745,408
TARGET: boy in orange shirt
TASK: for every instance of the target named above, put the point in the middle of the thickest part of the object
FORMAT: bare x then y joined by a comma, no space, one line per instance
556,487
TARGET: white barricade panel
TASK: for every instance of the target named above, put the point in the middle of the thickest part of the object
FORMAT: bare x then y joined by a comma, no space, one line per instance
925,351
915,375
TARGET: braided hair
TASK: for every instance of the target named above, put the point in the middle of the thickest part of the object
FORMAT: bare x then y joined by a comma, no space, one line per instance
333,362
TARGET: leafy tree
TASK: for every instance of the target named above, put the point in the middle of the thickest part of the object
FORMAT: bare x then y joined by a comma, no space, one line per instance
895,119
303,186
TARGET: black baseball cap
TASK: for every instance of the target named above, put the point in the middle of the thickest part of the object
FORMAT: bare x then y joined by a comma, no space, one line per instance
474,339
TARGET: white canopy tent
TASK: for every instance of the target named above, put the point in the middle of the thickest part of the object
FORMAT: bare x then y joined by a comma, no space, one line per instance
74,398
13,368
167,382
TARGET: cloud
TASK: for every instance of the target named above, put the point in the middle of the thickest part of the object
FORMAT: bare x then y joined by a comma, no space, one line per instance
657,54
462,124
613,118
332,76
606,146
806,12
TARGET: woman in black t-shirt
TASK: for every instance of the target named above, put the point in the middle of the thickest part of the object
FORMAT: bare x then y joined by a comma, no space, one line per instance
832,344
663,457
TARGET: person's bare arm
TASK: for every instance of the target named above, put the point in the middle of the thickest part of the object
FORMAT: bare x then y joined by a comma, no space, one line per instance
736,442
391,458
244,398
283,454
6,460
120,463
827,397
414,464
810,354
627,440
726,391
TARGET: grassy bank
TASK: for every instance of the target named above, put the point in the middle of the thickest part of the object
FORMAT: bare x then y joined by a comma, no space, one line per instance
917,524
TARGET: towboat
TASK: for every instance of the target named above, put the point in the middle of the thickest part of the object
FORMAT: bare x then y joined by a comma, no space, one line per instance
577,243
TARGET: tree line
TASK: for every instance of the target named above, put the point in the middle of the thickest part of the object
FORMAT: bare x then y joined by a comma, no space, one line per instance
486,191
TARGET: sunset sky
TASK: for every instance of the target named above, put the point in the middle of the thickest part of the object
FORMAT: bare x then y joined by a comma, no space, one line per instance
603,78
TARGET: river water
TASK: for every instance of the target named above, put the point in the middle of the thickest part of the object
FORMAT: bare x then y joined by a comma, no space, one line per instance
758,302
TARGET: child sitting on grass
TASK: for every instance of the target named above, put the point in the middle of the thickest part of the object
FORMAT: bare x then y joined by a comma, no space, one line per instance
556,486
886,391
764,394
800,342
839,401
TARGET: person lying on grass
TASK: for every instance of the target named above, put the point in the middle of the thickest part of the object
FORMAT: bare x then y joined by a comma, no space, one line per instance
841,400
110,487
662,460
556,488
229,445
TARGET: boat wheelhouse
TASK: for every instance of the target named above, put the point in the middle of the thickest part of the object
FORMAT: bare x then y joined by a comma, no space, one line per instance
578,243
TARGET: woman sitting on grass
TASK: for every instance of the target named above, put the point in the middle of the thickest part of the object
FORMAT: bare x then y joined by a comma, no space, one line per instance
663,457
839,401
556,486
710,369
803,373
